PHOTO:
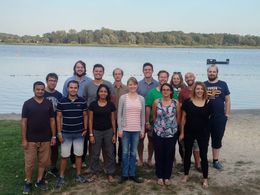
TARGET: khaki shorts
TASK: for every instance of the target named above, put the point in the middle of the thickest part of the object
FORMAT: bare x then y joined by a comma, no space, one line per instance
39,150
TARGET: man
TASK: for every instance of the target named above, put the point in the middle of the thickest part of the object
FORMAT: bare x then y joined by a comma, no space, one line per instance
185,94
152,95
54,96
80,76
38,134
120,89
219,94
90,93
72,127
145,85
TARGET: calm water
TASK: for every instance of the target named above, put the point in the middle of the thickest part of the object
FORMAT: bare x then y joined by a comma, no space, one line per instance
20,66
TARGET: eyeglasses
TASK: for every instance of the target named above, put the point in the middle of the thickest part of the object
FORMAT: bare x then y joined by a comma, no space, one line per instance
176,72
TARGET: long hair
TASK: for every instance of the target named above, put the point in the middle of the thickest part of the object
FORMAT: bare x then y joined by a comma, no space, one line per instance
205,95
83,64
168,85
181,85
108,92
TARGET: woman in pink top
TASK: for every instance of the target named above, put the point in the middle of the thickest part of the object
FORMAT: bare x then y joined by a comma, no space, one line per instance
131,122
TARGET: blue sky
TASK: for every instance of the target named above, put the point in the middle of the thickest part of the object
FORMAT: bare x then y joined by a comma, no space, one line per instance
33,17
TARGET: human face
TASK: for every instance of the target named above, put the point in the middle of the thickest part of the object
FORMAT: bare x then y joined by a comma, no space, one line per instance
189,79
79,69
212,74
199,91
176,80
132,87
73,89
102,93
148,71
163,78
118,75
166,91
39,91
52,83
98,73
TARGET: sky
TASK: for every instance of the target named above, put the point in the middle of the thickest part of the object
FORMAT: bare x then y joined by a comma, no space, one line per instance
36,17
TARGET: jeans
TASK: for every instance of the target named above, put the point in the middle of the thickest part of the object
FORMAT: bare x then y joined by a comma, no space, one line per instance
129,145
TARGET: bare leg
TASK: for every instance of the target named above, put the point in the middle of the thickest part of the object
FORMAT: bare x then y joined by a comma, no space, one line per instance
141,152
150,150
196,155
63,164
78,165
40,173
215,153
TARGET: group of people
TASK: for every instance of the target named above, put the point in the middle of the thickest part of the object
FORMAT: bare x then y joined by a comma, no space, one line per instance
93,115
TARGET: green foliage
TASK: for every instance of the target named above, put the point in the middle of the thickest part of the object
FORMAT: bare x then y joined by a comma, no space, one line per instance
106,36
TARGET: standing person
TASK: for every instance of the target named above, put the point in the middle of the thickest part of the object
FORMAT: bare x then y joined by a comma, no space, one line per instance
166,117
184,94
152,95
38,134
102,130
219,94
120,89
80,75
177,84
72,128
195,117
144,86
54,96
131,122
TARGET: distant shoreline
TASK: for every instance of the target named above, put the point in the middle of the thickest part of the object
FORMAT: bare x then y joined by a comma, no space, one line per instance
137,46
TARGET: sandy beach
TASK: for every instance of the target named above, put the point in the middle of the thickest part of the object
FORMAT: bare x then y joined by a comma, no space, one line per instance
239,154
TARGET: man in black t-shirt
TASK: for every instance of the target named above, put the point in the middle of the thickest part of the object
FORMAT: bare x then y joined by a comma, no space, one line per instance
54,96
38,134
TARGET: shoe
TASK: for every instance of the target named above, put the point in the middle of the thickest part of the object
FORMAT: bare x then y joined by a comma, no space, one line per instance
83,165
41,185
54,172
88,171
205,184
135,179
217,165
123,180
160,182
80,179
73,166
27,188
60,182
139,163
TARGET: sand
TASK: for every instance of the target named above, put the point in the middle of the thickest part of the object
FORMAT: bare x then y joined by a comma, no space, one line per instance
240,155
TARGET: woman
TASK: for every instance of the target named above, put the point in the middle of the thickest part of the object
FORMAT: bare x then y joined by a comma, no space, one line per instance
102,130
177,83
131,123
166,116
194,125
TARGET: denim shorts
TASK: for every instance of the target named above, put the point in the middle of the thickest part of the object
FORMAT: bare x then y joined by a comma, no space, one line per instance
72,138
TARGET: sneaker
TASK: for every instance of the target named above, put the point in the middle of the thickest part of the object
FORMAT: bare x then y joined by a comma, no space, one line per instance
123,180
80,179
41,185
83,165
54,172
217,165
27,188
60,182
135,179
73,166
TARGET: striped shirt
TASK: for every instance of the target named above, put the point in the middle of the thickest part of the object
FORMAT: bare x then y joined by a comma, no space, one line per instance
133,110
72,114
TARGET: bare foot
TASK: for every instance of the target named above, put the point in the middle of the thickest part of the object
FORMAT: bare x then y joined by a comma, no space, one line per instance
149,163
160,182
205,183
110,179
167,182
184,179
140,163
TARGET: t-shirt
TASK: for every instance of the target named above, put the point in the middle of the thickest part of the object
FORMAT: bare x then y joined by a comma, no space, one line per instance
217,93
72,114
38,120
90,91
197,118
102,115
54,97
152,95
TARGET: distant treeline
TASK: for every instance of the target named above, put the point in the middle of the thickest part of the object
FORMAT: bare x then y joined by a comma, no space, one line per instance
106,36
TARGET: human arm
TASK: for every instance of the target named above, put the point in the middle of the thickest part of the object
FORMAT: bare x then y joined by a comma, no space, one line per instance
24,130
85,123
142,134
178,113
120,116
154,110
227,105
113,122
90,123
59,126
53,131
183,121
147,117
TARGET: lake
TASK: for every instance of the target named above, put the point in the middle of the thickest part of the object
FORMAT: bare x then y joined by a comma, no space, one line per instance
22,65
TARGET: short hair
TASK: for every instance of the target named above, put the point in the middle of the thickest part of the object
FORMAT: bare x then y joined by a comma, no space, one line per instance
83,64
38,83
132,79
108,98
168,85
205,95
147,64
53,75
181,85
73,81
163,71
122,72
212,66
98,66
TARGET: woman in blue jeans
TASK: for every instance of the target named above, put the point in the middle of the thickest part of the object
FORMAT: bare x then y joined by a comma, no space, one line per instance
131,122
